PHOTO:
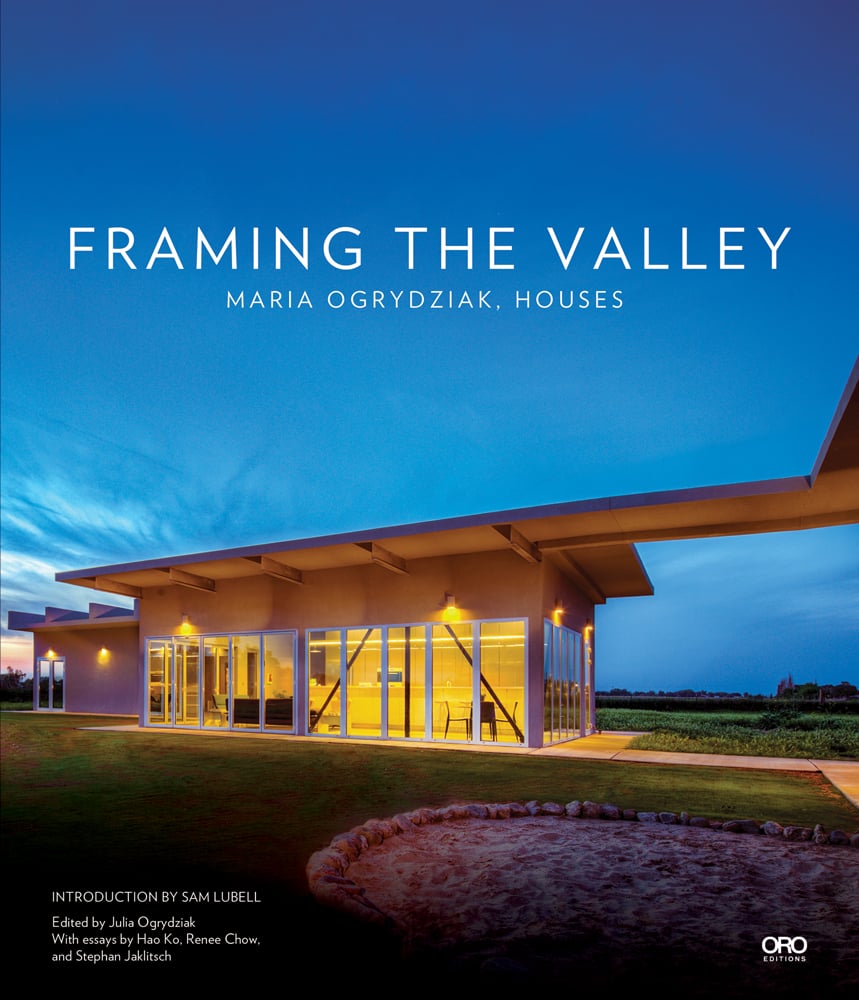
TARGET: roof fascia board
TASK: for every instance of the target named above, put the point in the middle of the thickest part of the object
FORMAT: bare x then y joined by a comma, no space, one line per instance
520,515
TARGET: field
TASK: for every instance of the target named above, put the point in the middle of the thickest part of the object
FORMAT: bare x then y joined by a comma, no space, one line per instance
776,733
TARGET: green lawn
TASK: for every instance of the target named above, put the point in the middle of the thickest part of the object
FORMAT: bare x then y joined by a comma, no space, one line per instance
90,809
262,806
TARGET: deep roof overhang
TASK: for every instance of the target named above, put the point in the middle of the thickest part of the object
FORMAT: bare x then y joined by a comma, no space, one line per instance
592,540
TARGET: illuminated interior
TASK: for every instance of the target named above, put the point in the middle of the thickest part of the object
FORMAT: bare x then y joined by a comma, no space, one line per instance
235,669
373,682
455,681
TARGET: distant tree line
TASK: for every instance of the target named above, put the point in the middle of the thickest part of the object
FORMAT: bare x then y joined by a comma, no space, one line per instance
16,686
843,697
821,692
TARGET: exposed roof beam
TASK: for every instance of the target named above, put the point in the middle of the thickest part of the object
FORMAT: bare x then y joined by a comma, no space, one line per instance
183,578
278,570
583,580
115,587
382,557
519,543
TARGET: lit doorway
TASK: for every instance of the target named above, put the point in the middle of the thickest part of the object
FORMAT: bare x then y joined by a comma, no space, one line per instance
50,688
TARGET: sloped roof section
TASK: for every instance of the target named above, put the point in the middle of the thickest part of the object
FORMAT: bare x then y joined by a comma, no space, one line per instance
592,540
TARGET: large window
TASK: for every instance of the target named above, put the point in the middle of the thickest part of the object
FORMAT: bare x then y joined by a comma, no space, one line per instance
456,681
243,681
407,661
374,681
563,680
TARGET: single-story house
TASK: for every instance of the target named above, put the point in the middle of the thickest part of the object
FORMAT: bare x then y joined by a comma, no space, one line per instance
476,629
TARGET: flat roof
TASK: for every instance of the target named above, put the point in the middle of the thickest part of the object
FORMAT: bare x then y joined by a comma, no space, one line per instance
593,541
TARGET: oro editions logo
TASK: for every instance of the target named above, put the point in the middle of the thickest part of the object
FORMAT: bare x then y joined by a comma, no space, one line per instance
784,949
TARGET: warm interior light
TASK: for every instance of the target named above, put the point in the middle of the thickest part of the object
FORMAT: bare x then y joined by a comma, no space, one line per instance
51,654
185,627
103,655
557,613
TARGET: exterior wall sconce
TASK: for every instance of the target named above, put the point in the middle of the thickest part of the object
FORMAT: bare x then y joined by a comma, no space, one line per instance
185,627
557,612
451,611
103,655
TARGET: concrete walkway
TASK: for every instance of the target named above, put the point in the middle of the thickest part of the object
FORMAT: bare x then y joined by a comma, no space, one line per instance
613,746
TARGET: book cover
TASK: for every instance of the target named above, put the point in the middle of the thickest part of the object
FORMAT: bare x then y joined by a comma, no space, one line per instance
277,271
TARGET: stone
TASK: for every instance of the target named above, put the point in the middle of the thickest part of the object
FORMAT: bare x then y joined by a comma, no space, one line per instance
419,817
630,814
517,809
648,817
684,818
350,844
573,808
372,834
381,827
700,822
839,837
402,822
325,862
741,826
797,833
551,809
476,810
854,840
772,829
533,807
668,817
609,811
590,810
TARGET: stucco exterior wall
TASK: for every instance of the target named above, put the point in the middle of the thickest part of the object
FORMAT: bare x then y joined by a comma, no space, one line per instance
484,585
96,681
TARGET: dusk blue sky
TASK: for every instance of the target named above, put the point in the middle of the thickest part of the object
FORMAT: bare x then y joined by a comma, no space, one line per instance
143,418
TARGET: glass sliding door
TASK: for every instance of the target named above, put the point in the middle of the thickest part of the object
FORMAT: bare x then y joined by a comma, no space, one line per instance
562,660
452,681
246,686
502,682
186,655
364,682
407,681
279,680
58,684
44,683
216,681
50,682
221,681
159,669
326,658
